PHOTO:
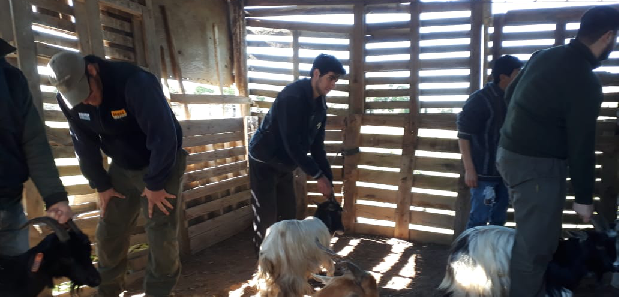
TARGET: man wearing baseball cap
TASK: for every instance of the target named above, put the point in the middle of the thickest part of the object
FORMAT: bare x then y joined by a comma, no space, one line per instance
25,152
549,129
120,109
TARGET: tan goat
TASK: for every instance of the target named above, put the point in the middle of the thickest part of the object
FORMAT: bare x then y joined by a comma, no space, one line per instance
356,282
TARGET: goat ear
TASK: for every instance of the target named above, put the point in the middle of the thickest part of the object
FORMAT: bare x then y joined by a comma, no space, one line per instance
599,223
580,235
357,272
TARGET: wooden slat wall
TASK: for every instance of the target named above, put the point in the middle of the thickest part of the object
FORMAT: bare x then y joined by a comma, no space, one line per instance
557,28
447,64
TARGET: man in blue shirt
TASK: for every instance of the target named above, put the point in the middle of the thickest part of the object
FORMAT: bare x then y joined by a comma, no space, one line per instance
478,124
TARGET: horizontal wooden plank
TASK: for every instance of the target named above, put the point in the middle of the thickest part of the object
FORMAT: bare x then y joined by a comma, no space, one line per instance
285,59
263,93
433,201
515,36
404,104
438,145
325,3
379,177
69,170
373,52
441,6
444,121
298,10
446,21
611,97
380,160
309,46
209,99
208,189
121,39
607,78
438,164
379,28
79,189
381,141
299,26
335,122
47,50
431,219
544,15
430,237
376,213
119,54
58,136
313,188
441,104
200,127
216,171
54,116
435,182
115,23
63,152
124,5
53,5
53,22
218,204
517,50
423,79
387,93
270,70
378,230
220,228
212,139
55,40
393,120
215,155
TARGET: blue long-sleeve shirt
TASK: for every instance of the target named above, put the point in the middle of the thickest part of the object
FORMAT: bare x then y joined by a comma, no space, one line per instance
134,125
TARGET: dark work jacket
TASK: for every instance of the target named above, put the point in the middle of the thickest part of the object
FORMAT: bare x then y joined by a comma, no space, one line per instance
294,126
134,125
24,149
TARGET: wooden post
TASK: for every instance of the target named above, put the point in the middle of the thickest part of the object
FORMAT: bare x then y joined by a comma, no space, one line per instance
356,108
300,178
138,40
21,12
411,129
497,37
150,39
176,68
6,22
88,24
560,33
463,204
237,16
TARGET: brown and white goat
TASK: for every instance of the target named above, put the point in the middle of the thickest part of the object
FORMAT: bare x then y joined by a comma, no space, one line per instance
354,282
289,256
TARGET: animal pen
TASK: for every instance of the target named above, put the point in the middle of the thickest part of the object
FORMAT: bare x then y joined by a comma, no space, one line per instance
391,133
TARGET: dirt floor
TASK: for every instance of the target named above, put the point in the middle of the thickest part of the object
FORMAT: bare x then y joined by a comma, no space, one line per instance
402,268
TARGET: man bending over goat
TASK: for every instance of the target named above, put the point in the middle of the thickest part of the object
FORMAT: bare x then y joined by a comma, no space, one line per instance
294,126
24,152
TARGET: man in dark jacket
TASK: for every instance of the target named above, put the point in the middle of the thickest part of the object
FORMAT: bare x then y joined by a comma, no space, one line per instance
24,152
294,126
550,126
478,124
119,108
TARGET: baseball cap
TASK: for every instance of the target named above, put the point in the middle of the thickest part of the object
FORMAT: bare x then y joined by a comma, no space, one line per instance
69,77
5,48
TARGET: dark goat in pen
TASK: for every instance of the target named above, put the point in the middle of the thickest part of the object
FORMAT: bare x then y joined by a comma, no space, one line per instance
63,253
478,264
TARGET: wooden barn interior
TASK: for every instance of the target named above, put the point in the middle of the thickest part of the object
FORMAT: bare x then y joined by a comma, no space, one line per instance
411,66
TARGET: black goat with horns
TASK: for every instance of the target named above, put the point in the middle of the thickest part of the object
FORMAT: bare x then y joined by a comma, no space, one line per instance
63,253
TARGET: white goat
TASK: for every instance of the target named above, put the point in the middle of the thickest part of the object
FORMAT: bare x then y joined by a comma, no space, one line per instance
289,255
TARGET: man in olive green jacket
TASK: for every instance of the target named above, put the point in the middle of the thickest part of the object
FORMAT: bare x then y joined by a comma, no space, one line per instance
25,153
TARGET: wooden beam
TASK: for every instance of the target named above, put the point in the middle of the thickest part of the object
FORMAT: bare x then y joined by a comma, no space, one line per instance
151,40
607,206
352,131
6,21
88,22
239,50
560,35
21,12
53,5
137,42
299,26
209,99
313,2
213,126
411,129
124,5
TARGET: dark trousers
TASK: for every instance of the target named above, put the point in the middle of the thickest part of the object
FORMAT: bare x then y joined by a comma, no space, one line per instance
273,199
537,189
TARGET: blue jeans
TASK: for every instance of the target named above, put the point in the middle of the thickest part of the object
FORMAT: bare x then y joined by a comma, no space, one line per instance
482,213
13,243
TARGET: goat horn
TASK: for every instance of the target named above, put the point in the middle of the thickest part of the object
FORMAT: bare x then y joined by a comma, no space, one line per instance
73,226
61,232
357,272
599,223
327,250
